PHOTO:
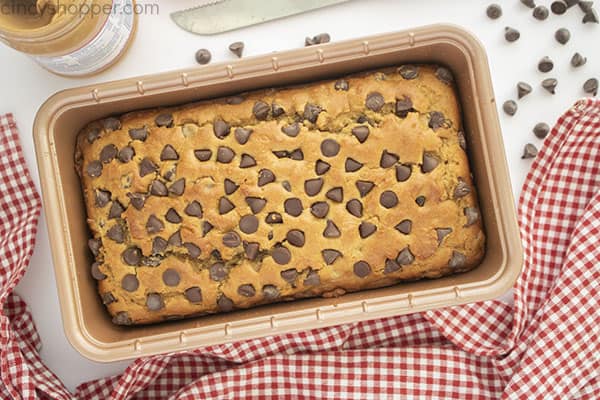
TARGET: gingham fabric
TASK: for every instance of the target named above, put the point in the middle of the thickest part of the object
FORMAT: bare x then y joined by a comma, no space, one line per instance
545,346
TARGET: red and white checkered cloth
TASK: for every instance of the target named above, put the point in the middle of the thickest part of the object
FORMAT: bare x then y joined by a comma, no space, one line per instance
545,346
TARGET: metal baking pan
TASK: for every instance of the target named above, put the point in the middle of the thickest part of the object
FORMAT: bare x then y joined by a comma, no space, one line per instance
86,322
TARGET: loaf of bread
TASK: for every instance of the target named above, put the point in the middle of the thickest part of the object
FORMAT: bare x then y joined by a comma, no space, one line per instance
313,190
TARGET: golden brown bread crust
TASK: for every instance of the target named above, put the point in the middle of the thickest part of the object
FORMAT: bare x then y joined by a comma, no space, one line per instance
143,279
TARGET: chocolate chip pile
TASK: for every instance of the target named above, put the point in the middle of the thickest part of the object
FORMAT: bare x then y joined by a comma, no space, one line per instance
546,64
316,190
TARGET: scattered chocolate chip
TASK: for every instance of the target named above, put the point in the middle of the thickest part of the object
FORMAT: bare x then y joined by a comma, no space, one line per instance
530,151
312,187
159,245
225,205
528,3
494,11
158,188
318,39
321,167
203,154
330,148
436,120
171,277
126,154
336,194
277,110
193,295
510,107
154,302
178,187
130,283
462,189
221,129
586,6
231,239
172,216
281,255
116,209
168,153
291,130
590,16
430,163
374,101
138,134
230,186
256,204
246,290
472,215
545,64
281,153
122,318
251,249
331,230
404,106
355,208
237,48
96,273
523,89
540,13
420,201
405,257
320,209
116,233
206,227
108,153
164,120
511,34
361,269
391,266
405,226
388,159
591,86
311,112
225,154
341,84
94,169
562,35
388,199
261,110
93,135
330,256
541,130
265,177
366,229
111,124
270,292
295,237
408,72
578,60
247,161
224,303
458,260
194,209
193,250
312,278
364,187
274,218
102,198
147,166
154,225
444,75
403,172
361,132
203,56
462,141
175,239
108,298
558,7
289,275
442,233
293,207
550,85
248,224
297,155
217,272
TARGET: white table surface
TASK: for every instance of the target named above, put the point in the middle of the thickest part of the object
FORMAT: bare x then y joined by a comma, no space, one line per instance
161,46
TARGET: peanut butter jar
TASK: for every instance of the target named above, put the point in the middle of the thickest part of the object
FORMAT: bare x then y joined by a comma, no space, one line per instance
69,37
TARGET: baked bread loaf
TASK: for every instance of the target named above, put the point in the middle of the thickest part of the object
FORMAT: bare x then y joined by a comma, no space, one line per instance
312,190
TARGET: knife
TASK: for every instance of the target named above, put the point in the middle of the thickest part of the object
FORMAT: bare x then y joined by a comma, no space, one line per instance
226,15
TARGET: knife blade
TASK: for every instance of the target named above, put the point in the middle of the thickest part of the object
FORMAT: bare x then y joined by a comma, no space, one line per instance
226,15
